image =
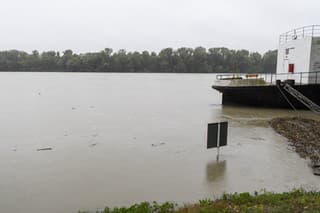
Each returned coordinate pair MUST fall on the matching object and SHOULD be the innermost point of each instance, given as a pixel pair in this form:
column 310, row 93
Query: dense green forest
column 182, row 60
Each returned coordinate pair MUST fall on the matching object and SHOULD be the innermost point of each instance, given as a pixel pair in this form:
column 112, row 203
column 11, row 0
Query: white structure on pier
column 299, row 52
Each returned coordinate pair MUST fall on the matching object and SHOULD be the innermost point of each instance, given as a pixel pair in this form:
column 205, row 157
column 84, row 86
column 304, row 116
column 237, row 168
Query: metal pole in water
column 218, row 142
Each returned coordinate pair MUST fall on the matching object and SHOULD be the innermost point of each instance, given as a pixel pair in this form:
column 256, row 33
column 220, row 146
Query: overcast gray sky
column 92, row 25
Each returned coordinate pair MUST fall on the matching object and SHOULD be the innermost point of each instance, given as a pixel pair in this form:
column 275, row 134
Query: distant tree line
column 182, row 60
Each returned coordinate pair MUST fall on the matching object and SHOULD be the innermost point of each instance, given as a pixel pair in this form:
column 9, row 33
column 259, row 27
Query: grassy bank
column 295, row 201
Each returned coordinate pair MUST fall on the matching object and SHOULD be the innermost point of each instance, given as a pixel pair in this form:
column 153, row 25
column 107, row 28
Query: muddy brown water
column 117, row 139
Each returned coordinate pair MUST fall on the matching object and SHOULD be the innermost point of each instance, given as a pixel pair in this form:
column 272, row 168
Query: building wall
column 315, row 61
column 295, row 52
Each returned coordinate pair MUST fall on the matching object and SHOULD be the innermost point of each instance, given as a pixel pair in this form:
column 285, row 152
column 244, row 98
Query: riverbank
column 294, row 201
column 303, row 135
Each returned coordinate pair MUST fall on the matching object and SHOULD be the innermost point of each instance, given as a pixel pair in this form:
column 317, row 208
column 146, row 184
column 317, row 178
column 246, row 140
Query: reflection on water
column 243, row 115
column 215, row 170
column 251, row 113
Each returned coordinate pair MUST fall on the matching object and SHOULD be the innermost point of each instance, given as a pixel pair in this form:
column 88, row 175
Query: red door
column 291, row 68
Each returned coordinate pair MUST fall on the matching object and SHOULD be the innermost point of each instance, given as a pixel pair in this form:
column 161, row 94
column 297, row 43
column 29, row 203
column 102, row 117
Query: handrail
column 271, row 78
column 301, row 32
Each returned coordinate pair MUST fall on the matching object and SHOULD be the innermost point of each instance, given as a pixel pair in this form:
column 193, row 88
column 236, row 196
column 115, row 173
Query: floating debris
column 303, row 135
column 316, row 165
column 316, row 171
column 157, row 144
column 93, row 144
column 73, row 108
column 257, row 139
column 181, row 151
column 45, row 149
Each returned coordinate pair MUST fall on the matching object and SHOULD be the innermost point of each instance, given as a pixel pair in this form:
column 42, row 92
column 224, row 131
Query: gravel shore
column 304, row 135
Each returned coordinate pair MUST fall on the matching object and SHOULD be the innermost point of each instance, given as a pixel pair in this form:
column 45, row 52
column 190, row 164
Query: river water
column 118, row 139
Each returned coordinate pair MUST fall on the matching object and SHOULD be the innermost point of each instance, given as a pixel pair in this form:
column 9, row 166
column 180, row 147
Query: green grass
column 294, row 201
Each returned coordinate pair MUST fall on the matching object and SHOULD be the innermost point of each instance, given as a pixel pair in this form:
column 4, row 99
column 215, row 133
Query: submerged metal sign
column 217, row 135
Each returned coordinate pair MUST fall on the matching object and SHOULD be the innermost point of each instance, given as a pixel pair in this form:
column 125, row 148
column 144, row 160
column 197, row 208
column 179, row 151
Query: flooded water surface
column 117, row 139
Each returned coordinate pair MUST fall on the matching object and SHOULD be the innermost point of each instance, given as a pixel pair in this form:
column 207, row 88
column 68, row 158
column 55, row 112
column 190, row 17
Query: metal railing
column 299, row 77
column 301, row 32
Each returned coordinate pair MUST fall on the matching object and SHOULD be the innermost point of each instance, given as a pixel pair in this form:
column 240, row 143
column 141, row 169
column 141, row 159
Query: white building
column 299, row 55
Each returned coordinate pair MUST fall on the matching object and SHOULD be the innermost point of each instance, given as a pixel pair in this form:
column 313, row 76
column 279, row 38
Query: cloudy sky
column 92, row 25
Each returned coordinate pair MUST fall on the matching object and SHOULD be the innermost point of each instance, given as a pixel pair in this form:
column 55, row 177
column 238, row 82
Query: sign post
column 217, row 136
